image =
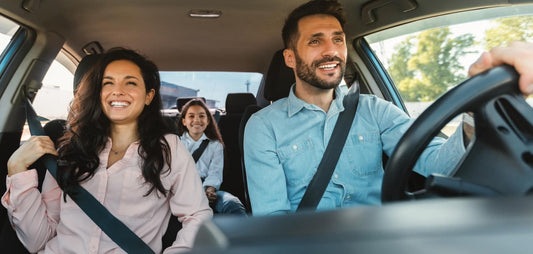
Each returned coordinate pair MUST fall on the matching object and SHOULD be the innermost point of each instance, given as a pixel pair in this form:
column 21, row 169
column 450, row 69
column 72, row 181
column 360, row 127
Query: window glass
column 7, row 30
column 213, row 86
column 428, row 57
column 53, row 99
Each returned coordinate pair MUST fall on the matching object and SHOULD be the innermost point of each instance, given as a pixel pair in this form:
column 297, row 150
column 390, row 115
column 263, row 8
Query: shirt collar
column 295, row 104
column 127, row 159
column 187, row 136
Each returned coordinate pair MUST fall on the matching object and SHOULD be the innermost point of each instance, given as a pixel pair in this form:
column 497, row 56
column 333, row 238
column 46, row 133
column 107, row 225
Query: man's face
column 319, row 57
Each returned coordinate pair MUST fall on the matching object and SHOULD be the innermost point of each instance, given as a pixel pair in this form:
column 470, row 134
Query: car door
column 27, row 54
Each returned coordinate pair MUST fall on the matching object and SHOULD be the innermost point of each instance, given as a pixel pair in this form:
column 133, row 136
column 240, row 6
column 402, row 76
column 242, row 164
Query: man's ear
column 290, row 58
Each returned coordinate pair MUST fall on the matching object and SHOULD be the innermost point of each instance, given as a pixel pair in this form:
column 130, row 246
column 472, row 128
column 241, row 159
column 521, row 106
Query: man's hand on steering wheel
column 517, row 54
column 500, row 159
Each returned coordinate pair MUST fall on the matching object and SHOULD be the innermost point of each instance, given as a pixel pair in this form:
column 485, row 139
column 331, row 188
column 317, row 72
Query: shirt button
column 348, row 197
column 295, row 147
column 360, row 138
column 336, row 176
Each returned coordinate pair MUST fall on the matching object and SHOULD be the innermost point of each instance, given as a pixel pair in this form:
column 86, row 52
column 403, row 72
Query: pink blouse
column 46, row 224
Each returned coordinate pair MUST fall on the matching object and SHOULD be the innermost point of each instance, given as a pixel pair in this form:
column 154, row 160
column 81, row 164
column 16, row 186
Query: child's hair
column 211, row 131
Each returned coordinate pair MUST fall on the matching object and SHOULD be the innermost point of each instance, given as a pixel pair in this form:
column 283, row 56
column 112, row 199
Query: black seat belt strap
column 327, row 165
column 110, row 225
column 198, row 152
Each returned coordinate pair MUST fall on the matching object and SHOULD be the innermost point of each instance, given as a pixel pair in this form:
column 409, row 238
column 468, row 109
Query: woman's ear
column 149, row 97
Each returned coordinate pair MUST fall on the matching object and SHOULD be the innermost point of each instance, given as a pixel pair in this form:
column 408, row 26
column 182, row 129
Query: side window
column 53, row 99
column 426, row 58
column 7, row 31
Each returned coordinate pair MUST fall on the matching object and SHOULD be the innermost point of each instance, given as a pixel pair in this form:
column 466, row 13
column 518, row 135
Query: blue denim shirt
column 284, row 143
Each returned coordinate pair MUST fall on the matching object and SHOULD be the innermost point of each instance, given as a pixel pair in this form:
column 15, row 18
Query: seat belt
column 110, row 225
column 327, row 165
column 200, row 150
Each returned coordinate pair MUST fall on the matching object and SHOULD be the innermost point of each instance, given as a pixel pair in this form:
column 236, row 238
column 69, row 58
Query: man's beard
column 308, row 73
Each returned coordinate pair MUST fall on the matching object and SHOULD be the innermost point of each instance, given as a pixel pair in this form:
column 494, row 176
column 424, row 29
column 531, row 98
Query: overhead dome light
column 205, row 13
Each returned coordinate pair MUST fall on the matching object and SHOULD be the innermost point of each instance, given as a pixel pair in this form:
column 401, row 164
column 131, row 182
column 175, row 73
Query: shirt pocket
column 362, row 154
column 299, row 161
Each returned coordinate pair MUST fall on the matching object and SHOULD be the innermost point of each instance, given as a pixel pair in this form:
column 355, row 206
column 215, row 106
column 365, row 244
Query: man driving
column 284, row 142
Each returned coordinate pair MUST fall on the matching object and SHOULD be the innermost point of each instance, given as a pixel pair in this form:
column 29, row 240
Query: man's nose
column 330, row 49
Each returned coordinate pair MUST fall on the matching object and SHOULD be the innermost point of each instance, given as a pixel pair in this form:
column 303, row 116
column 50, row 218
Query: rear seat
column 229, row 128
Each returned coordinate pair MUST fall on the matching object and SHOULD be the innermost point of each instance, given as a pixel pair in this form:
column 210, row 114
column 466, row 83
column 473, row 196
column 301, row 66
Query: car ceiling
column 242, row 39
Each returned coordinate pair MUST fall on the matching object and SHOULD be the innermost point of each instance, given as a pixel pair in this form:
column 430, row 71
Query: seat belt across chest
column 327, row 165
column 200, row 150
column 110, row 225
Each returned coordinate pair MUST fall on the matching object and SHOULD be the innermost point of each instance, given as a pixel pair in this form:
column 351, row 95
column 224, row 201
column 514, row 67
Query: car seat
column 278, row 82
column 229, row 124
column 183, row 100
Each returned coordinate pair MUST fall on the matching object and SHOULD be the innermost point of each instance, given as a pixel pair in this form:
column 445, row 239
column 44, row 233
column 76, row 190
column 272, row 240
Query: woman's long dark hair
column 88, row 128
column 211, row 131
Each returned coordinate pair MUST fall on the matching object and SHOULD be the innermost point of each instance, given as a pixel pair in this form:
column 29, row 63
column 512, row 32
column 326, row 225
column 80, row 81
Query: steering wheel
column 498, row 160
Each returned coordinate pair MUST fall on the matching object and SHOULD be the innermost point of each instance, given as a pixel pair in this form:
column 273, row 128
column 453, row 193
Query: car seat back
column 236, row 104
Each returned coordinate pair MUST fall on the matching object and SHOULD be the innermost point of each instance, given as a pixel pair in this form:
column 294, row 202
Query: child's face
column 195, row 120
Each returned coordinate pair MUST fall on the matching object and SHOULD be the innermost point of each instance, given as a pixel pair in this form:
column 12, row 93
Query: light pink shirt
column 46, row 224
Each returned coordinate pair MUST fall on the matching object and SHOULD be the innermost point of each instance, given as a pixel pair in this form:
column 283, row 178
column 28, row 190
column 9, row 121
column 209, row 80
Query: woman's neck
column 123, row 135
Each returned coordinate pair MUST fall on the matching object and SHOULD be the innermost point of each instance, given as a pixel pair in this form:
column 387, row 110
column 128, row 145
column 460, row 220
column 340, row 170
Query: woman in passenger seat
column 116, row 147
column 199, row 132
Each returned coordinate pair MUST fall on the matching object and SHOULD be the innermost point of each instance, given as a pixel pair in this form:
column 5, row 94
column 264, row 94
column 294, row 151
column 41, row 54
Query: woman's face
column 124, row 95
column 196, row 120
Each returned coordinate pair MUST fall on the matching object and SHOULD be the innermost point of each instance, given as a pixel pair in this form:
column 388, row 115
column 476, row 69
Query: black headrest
column 279, row 78
column 86, row 63
column 237, row 102
column 351, row 74
column 183, row 100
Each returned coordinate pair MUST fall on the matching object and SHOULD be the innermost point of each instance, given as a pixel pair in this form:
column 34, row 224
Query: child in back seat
column 200, row 134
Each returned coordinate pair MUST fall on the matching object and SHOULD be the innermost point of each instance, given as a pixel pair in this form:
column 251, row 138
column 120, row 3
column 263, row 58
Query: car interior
column 485, row 207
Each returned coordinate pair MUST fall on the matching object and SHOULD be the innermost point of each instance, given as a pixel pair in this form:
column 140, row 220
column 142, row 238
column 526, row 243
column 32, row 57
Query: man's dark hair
column 326, row 7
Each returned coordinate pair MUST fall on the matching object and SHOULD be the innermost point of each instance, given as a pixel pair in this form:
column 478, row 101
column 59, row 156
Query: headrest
column 183, row 100
column 351, row 74
column 86, row 63
column 279, row 78
column 237, row 102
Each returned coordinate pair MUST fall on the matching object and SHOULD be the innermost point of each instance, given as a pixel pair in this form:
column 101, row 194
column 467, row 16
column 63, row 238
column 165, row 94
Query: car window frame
column 379, row 74
column 13, row 55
